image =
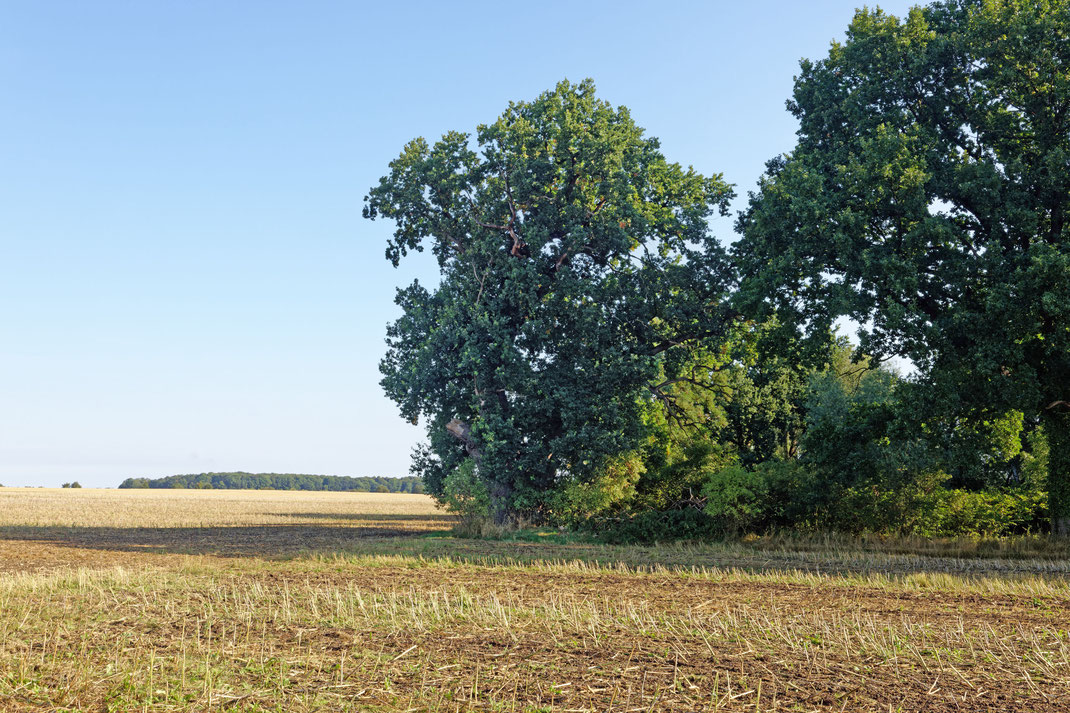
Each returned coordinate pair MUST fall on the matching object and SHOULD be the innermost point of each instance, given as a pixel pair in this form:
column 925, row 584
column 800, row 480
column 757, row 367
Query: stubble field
column 277, row 601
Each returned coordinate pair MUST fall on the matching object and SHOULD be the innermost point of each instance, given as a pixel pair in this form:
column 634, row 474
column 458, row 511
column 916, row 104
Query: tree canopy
column 580, row 286
column 927, row 199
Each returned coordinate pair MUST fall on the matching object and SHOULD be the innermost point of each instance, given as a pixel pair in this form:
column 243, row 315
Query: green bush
column 878, row 506
column 675, row 468
column 772, row 494
column 651, row 527
column 926, row 507
column 737, row 497
column 577, row 502
column 464, row 493
column 948, row 513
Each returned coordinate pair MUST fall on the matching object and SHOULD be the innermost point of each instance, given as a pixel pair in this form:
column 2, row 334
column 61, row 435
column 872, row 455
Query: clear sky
column 186, row 283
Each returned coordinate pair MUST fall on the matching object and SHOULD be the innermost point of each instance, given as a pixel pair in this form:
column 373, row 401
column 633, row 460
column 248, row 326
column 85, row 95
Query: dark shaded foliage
column 652, row 526
column 279, row 481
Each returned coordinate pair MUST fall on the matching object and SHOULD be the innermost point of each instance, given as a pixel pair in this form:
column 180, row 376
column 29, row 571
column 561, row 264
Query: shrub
column 929, row 509
column 736, row 497
column 879, row 506
column 464, row 492
column 947, row 513
column 771, row 494
column 651, row 527
column 577, row 502
column 675, row 469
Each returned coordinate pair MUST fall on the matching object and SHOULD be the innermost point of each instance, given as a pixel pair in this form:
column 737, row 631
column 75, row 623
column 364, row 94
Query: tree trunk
column 501, row 502
column 1057, row 429
column 501, row 494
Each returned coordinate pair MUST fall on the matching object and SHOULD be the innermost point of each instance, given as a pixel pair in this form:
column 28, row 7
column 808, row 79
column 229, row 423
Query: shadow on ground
column 438, row 518
column 419, row 540
column 270, row 541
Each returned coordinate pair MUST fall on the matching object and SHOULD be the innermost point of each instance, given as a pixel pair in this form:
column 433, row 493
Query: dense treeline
column 845, row 445
column 593, row 356
column 280, row 481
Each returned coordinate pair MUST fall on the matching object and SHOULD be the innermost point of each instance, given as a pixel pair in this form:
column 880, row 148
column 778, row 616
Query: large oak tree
column 579, row 285
column 928, row 198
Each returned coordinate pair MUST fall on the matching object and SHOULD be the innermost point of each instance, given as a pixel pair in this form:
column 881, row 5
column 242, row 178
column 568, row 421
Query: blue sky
column 186, row 283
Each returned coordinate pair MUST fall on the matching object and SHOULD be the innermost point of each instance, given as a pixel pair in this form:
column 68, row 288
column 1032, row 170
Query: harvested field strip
column 323, row 602
column 393, row 537
column 1053, row 585
column 160, row 639
column 696, row 557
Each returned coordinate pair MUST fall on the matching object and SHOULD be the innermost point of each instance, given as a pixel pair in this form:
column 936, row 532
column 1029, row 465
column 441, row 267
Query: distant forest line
column 280, row 481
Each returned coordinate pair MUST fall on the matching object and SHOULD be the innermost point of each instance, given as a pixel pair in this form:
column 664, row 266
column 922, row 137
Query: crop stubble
column 360, row 615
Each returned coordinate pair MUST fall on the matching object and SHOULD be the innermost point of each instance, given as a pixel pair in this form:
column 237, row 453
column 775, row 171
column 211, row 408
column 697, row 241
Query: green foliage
column 1035, row 462
column 871, row 469
column 277, row 481
column 653, row 526
column 762, row 498
column 737, row 497
column 577, row 501
column 675, row 467
column 897, row 507
column 928, row 199
column 947, row 513
column 765, row 399
column 579, row 283
column 75, row 484
column 465, row 494
column 849, row 431
column 980, row 453
column 683, row 425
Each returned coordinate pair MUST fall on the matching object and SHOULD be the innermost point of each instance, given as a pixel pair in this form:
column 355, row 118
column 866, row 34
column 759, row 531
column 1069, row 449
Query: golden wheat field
column 159, row 600
column 86, row 507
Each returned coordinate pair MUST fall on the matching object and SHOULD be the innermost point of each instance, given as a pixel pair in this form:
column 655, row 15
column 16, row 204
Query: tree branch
column 463, row 433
